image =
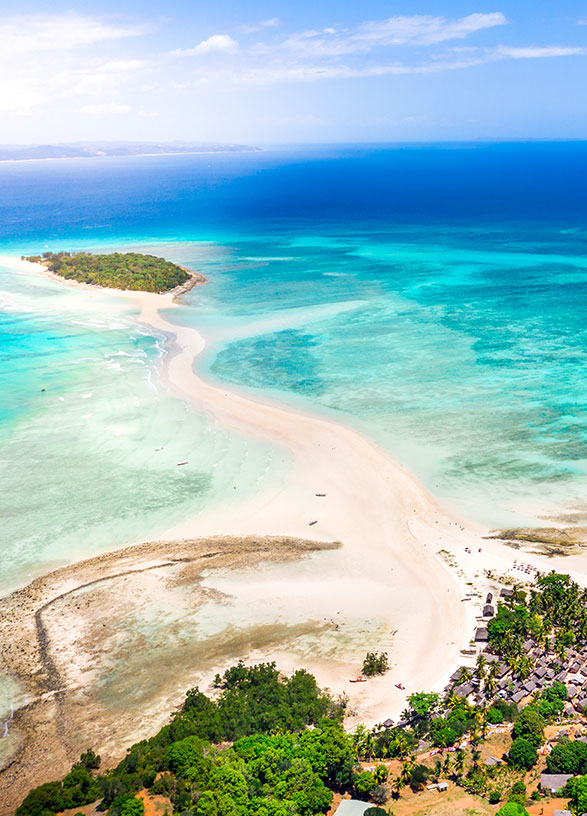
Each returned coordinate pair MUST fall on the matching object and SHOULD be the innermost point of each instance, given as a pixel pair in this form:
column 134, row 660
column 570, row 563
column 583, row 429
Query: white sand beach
column 390, row 567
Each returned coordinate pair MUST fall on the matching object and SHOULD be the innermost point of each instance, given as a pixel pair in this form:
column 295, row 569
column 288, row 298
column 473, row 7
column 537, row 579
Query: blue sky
column 274, row 72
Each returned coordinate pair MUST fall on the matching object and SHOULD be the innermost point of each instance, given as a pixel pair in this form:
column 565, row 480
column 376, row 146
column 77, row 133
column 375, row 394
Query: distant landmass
column 91, row 150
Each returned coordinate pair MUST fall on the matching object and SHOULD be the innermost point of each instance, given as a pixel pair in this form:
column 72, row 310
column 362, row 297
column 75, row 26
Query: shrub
column 379, row 795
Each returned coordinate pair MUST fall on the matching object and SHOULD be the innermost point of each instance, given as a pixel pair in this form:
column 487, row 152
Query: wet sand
column 105, row 649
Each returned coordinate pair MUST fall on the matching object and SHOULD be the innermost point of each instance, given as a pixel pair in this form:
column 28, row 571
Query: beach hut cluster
column 547, row 667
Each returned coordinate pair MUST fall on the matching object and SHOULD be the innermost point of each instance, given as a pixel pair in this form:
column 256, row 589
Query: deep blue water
column 166, row 196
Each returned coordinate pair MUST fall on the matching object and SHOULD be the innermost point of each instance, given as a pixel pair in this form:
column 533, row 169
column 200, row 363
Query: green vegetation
column 568, row 758
column 551, row 701
column 375, row 663
column 529, row 726
column 555, row 613
column 276, row 766
column 523, row 755
column 274, row 746
column 577, row 789
column 512, row 809
column 119, row 270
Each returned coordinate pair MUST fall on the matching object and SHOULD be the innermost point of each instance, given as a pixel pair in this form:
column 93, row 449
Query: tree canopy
column 117, row 270
column 276, row 766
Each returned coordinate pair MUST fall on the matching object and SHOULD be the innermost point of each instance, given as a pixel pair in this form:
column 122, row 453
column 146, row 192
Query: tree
column 419, row 777
column 522, row 754
column 459, row 762
column 187, row 758
column 375, row 663
column 422, row 704
column 364, row 784
column 529, row 725
column 132, row 807
column 381, row 773
column 379, row 795
column 512, row 809
column 578, row 788
column 494, row 716
column 568, row 757
column 397, row 787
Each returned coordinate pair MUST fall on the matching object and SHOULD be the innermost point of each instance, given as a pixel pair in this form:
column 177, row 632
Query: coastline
column 401, row 561
column 390, row 527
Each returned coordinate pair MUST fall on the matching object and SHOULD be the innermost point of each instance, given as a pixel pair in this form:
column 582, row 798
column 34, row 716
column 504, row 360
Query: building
column 553, row 782
column 442, row 786
column 492, row 761
column 352, row 807
column 481, row 635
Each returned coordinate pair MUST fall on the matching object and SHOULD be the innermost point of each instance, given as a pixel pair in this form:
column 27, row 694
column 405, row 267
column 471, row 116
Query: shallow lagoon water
column 433, row 298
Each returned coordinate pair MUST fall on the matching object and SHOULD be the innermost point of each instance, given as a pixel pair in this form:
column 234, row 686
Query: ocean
column 432, row 296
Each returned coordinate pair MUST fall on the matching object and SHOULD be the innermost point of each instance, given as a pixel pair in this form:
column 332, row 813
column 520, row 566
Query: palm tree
column 406, row 771
column 475, row 756
column 437, row 769
column 401, row 747
column 480, row 668
column 446, row 765
column 452, row 701
column 459, row 763
column 490, row 685
column 397, row 786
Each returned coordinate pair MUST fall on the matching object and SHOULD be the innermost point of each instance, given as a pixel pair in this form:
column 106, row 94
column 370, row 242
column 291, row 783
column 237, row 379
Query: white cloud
column 537, row 52
column 423, row 29
column 419, row 30
column 217, row 42
column 59, row 32
column 272, row 22
column 106, row 109
column 455, row 59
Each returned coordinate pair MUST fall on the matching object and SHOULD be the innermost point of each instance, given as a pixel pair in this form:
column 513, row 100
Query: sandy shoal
column 390, row 527
column 405, row 561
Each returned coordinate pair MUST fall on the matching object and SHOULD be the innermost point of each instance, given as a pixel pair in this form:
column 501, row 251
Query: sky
column 265, row 72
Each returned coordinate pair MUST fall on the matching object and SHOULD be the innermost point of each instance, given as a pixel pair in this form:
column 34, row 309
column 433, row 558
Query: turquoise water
column 433, row 298
column 89, row 438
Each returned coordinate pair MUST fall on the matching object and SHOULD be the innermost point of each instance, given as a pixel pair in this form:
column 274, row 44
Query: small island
column 119, row 270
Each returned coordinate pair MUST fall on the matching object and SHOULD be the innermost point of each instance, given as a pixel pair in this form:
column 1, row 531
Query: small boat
column 311, row 523
column 400, row 686
column 181, row 463
column 358, row 680
column 321, row 494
